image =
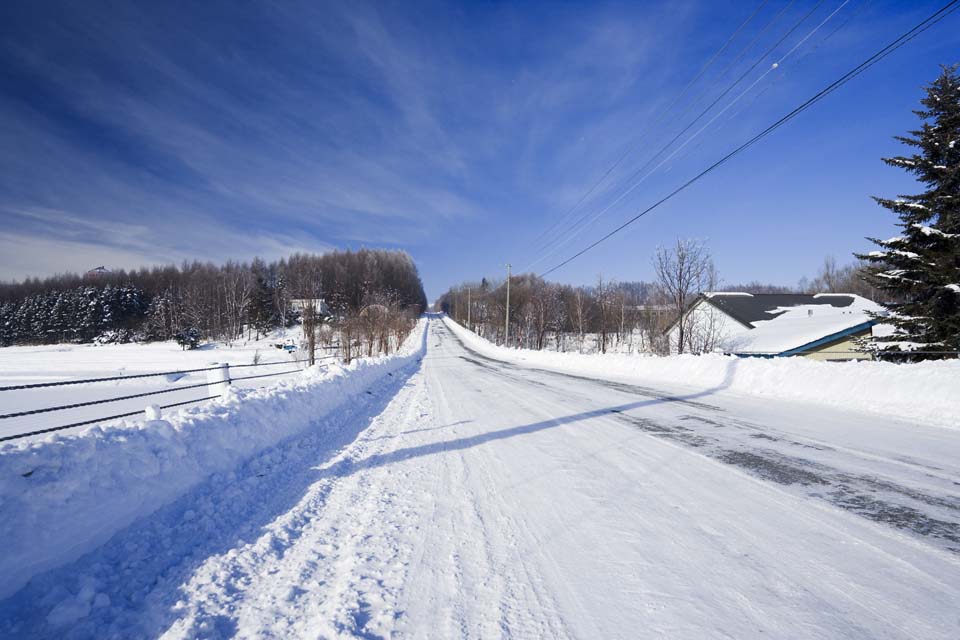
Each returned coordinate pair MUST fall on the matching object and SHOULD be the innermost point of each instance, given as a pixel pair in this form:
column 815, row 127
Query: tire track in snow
column 761, row 549
column 136, row 585
column 925, row 507
column 474, row 575
column 343, row 574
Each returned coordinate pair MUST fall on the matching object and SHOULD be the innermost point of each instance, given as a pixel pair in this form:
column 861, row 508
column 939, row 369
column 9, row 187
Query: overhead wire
column 772, row 68
column 630, row 148
column 571, row 233
column 897, row 43
column 746, row 106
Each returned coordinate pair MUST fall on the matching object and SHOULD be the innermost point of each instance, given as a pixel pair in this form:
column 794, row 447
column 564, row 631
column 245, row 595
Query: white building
column 319, row 305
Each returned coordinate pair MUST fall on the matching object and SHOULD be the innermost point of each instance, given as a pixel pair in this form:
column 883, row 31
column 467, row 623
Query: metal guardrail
column 17, row 436
column 39, row 385
column 220, row 382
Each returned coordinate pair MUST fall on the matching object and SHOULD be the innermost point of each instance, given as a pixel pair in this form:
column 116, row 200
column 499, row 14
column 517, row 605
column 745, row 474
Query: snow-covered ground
column 53, row 363
column 63, row 494
column 466, row 496
column 927, row 392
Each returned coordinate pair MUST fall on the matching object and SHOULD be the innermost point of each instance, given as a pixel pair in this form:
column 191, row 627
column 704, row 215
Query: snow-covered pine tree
column 261, row 310
column 8, row 328
column 160, row 323
column 920, row 270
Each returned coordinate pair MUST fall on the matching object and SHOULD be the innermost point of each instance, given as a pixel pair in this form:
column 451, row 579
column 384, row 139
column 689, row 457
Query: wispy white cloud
column 345, row 125
column 227, row 131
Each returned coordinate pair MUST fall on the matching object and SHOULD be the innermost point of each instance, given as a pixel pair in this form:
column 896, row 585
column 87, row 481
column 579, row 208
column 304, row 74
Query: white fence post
column 153, row 412
column 218, row 379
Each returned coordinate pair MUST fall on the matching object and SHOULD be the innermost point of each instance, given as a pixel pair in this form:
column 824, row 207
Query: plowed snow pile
column 65, row 495
column 926, row 392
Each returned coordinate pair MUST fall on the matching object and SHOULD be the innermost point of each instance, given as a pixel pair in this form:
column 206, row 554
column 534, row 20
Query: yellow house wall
column 844, row 349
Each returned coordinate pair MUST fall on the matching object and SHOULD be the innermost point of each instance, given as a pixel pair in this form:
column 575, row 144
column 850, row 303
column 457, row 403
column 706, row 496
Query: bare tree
column 559, row 316
column 621, row 327
column 683, row 271
column 580, row 315
column 545, row 305
column 706, row 329
column 602, row 295
column 238, row 291
column 310, row 289
column 832, row 278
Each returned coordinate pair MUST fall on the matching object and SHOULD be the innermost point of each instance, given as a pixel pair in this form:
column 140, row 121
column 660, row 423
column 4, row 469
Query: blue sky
column 154, row 132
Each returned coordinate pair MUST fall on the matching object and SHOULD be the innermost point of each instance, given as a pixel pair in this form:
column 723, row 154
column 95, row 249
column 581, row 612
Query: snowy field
column 52, row 363
column 66, row 493
column 450, row 492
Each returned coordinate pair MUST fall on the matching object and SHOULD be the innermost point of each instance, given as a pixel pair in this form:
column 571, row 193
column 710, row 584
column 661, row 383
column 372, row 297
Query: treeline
column 611, row 316
column 110, row 313
column 607, row 316
column 206, row 301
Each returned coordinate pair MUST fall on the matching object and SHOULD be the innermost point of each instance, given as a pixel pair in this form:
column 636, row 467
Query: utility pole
column 469, row 289
column 506, row 324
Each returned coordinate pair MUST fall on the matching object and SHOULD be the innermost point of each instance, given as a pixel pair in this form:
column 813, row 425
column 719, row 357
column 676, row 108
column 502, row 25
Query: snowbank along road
column 467, row 497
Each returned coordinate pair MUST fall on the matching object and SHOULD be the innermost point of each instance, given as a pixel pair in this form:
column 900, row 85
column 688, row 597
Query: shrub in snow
column 116, row 336
column 188, row 338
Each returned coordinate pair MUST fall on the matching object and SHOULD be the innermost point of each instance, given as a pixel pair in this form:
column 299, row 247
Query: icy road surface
column 471, row 498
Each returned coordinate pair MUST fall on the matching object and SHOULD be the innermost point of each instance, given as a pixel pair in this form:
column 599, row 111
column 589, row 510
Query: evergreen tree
column 160, row 323
column 59, row 319
column 261, row 310
column 919, row 270
column 188, row 338
column 8, row 333
column 153, row 304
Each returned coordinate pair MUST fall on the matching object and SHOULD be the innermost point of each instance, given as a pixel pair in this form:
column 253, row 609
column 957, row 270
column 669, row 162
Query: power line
column 585, row 220
column 903, row 39
column 857, row 12
column 632, row 147
column 775, row 66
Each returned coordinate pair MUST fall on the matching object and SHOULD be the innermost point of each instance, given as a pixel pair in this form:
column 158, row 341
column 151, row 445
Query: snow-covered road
column 473, row 498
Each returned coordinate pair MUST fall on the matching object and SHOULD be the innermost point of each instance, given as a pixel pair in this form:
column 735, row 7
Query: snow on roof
column 750, row 308
column 794, row 326
column 710, row 294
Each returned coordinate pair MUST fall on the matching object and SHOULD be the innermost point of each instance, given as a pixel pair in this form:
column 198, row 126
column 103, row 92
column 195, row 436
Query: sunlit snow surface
column 63, row 362
column 468, row 496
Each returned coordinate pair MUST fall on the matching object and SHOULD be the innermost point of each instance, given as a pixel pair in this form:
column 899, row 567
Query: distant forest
column 206, row 301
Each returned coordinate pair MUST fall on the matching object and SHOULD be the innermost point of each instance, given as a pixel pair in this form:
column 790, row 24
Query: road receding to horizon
column 478, row 498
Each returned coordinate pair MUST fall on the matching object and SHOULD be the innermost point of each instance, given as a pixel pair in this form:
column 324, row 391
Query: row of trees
column 603, row 317
column 620, row 316
column 81, row 314
column 207, row 301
